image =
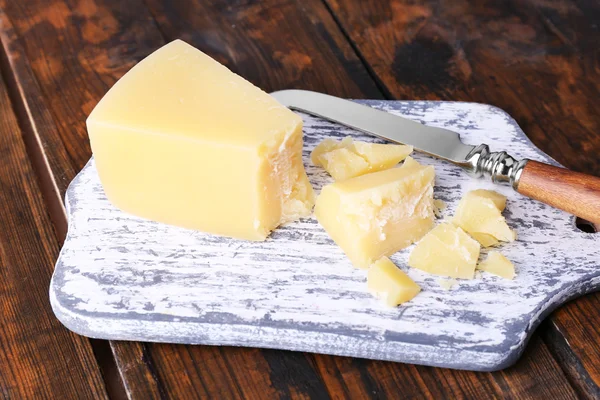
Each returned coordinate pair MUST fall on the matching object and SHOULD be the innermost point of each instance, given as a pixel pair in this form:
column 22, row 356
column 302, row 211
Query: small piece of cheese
column 484, row 239
column 479, row 213
column 348, row 159
column 447, row 284
column 497, row 264
column 180, row 139
column 438, row 207
column 446, row 250
column 377, row 214
column 390, row 284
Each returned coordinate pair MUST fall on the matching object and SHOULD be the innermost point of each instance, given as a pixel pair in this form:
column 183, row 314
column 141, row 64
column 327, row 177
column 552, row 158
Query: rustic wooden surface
column 535, row 59
column 38, row 357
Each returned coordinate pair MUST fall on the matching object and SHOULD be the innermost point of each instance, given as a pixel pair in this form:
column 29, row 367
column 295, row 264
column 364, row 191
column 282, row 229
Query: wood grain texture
column 66, row 55
column 54, row 166
column 125, row 278
column 574, row 192
column 98, row 41
column 534, row 377
column 38, row 358
column 535, row 59
column 276, row 44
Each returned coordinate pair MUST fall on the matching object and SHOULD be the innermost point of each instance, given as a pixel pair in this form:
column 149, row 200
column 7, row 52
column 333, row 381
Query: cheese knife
column 573, row 192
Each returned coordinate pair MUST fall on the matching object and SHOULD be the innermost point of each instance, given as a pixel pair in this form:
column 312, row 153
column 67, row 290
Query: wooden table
column 539, row 60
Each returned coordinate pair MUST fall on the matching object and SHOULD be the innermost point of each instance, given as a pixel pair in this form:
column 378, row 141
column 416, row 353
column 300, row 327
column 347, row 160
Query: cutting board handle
column 573, row 192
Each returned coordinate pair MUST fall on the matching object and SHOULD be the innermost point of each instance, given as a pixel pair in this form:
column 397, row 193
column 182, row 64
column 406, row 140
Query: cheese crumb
column 438, row 207
column 497, row 264
column 390, row 284
column 447, row 284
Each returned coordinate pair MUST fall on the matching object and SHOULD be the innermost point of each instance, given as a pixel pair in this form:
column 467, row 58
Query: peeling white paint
column 122, row 277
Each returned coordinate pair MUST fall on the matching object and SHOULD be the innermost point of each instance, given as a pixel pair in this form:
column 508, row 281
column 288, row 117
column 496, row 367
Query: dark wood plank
column 276, row 44
column 573, row 336
column 185, row 372
column 38, row 357
column 34, row 114
column 535, row 59
column 536, row 374
column 274, row 56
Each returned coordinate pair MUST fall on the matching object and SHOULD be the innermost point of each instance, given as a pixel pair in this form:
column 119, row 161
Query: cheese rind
column 497, row 264
column 182, row 140
column 377, row 214
column 390, row 284
column 479, row 213
column 447, row 251
column 349, row 159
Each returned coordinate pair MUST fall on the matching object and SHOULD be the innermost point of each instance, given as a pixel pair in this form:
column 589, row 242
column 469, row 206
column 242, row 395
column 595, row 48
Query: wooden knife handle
column 573, row 192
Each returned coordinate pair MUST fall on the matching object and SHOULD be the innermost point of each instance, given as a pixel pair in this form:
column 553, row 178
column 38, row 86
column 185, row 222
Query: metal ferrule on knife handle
column 499, row 166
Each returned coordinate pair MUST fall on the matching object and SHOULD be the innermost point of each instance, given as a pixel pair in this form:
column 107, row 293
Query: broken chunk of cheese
column 390, row 284
column 377, row 214
column 181, row 139
column 348, row 159
column 497, row 264
column 446, row 250
column 479, row 213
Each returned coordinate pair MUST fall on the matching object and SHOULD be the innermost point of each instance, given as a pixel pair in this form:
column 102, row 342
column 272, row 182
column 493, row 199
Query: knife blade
column 438, row 142
column 570, row 191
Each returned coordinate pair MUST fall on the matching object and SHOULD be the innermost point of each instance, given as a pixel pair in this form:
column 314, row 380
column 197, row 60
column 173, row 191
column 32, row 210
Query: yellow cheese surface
column 377, row 214
column 446, row 250
column 390, row 284
column 348, row 159
column 498, row 199
column 480, row 213
column 438, row 207
column 181, row 139
column 497, row 264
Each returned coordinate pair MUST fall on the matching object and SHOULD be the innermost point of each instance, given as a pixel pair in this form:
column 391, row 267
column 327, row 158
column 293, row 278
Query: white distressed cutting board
column 124, row 278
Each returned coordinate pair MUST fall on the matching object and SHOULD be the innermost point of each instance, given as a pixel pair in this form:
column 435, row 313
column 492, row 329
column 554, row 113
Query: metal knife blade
column 438, row 142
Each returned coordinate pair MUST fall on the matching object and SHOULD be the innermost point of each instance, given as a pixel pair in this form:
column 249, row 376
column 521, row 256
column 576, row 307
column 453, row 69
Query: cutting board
column 120, row 277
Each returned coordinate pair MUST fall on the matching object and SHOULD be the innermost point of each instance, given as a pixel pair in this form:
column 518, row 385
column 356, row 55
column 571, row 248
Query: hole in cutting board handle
column 586, row 226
